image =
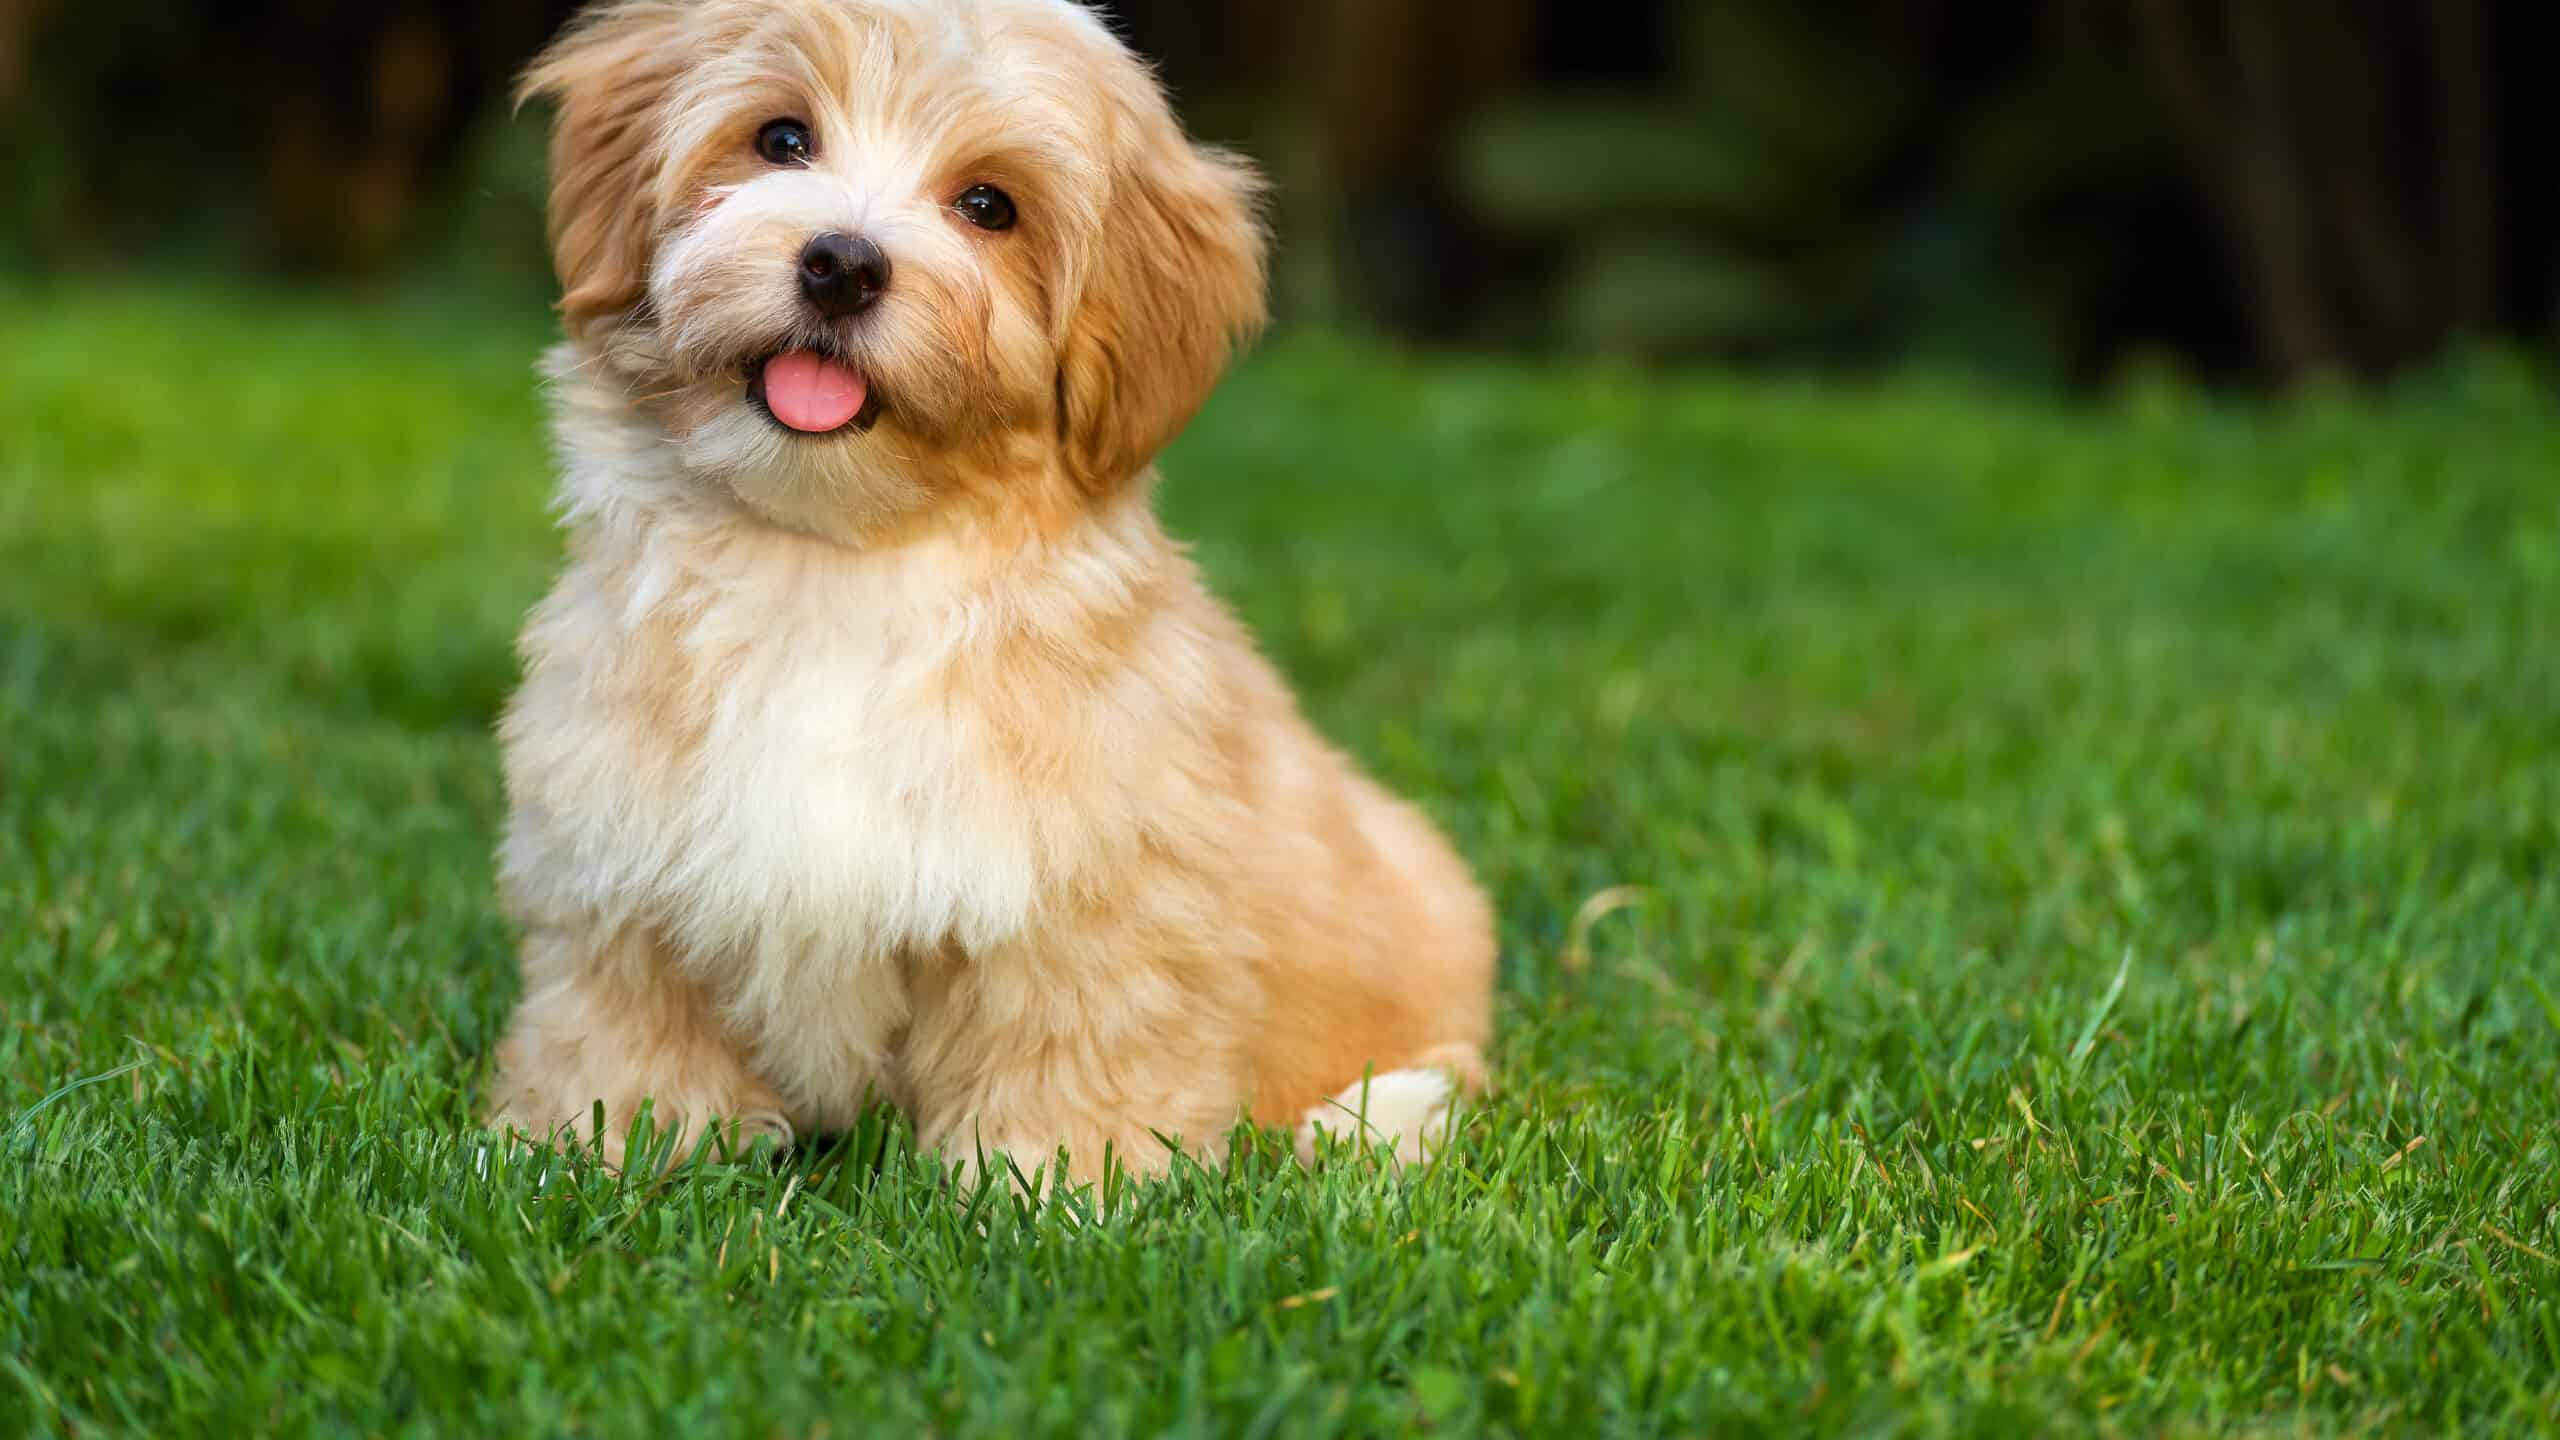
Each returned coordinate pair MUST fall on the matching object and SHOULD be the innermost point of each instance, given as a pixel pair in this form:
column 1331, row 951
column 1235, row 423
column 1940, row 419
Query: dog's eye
column 986, row 207
column 785, row 142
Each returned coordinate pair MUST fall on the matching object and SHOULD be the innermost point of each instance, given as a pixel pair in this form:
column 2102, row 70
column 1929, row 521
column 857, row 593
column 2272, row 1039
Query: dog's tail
column 1409, row 1108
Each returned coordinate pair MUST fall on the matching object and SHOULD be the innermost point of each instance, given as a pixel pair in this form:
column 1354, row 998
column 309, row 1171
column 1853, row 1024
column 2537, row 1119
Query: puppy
column 876, row 743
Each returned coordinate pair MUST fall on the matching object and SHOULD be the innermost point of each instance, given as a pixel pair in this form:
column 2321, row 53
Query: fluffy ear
column 1176, row 285
column 608, row 76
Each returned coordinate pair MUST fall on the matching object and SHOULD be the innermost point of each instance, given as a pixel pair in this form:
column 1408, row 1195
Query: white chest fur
column 759, row 749
column 839, row 787
column 809, row 769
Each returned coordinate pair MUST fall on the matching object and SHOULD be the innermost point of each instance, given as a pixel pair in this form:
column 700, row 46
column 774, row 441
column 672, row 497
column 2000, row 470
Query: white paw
column 743, row 1131
column 1408, row 1109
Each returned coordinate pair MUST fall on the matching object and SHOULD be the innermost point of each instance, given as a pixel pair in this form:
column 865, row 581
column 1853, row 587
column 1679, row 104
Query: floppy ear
column 1176, row 285
column 608, row 75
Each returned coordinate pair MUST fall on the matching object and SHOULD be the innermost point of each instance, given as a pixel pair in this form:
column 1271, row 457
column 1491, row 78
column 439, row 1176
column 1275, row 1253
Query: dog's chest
column 842, row 797
column 815, row 781
column 835, row 814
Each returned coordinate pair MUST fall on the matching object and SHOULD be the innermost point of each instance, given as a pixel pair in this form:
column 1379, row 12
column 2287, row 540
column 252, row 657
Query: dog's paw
column 1408, row 1109
column 734, row 1136
column 669, row 1136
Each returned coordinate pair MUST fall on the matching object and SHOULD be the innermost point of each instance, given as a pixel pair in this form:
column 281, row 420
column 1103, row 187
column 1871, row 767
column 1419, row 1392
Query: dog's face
column 860, row 256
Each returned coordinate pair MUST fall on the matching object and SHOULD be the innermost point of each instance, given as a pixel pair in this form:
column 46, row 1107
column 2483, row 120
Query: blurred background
column 2051, row 190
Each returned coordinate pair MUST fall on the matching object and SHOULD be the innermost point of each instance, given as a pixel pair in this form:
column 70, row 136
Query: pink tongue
column 812, row 393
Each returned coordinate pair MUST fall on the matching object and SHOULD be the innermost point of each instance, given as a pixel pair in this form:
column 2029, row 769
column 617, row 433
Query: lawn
column 2018, row 916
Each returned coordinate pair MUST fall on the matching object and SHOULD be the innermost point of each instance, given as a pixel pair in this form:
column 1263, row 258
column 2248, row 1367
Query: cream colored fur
column 916, row 764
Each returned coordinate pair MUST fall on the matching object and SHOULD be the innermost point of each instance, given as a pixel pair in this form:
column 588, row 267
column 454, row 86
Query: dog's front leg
column 607, row 1018
column 1085, row 1043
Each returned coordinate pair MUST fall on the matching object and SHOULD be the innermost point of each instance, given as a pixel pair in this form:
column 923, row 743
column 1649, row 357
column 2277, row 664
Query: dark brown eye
column 785, row 142
column 986, row 207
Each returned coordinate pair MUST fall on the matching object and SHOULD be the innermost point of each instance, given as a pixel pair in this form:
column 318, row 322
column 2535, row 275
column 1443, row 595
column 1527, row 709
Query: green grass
column 2096, row 968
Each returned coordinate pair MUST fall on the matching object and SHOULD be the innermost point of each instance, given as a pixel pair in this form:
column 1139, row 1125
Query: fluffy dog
column 876, row 743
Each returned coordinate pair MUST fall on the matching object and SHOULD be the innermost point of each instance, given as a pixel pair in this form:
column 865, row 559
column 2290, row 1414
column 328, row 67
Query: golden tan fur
column 917, row 763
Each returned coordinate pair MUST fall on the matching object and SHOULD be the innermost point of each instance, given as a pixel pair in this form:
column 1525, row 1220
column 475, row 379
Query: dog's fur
column 916, row 763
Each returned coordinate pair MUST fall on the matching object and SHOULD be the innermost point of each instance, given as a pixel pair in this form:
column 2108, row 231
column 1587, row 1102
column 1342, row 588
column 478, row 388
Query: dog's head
column 858, row 255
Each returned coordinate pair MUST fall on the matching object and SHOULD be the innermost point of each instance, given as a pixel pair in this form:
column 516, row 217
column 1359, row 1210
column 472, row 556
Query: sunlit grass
column 2093, row 959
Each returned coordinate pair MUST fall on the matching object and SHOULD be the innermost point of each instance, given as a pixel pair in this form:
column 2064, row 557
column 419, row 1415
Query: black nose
column 843, row 274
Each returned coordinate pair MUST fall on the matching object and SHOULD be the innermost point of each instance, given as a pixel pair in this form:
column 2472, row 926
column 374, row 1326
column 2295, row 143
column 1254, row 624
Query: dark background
column 2047, row 189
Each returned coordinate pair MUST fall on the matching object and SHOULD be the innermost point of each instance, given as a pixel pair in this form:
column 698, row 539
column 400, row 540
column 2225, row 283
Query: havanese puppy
column 876, row 743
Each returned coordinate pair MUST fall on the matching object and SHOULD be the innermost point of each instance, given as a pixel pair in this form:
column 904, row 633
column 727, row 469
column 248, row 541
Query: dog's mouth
column 808, row 392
